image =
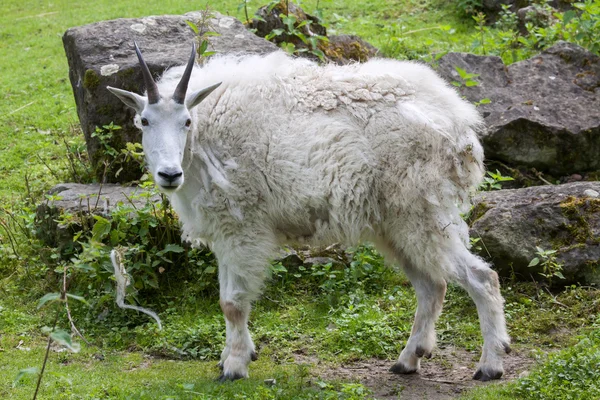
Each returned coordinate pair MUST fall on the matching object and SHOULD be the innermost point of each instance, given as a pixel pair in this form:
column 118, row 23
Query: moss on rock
column 91, row 80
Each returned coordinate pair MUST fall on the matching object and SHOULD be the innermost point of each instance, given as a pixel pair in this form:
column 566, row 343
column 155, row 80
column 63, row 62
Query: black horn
column 151, row 87
column 181, row 89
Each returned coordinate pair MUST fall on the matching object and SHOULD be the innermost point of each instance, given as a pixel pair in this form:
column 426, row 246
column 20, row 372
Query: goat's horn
column 151, row 87
column 179, row 95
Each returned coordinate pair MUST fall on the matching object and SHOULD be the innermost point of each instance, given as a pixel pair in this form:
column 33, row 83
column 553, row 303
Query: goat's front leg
column 239, row 348
column 242, row 270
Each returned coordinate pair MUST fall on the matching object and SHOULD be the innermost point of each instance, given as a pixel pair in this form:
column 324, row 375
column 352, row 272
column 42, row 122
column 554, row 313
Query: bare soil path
column 445, row 376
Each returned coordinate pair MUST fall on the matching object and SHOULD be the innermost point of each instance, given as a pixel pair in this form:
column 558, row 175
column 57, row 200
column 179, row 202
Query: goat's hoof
column 253, row 356
column 420, row 352
column 506, row 347
column 401, row 369
column 485, row 375
column 229, row 377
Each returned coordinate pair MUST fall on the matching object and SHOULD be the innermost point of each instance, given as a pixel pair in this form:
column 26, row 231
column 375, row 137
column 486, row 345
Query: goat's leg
column 242, row 267
column 481, row 282
column 430, row 297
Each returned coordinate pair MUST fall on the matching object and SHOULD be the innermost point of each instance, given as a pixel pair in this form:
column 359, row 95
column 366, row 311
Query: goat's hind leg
column 430, row 297
column 482, row 284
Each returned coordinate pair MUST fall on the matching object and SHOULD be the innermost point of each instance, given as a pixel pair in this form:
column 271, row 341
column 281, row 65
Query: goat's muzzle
column 169, row 179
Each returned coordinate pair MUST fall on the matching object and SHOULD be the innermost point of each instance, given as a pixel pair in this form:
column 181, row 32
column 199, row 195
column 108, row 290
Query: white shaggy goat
column 286, row 151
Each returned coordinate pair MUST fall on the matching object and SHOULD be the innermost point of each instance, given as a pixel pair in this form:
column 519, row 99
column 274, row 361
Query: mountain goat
column 284, row 150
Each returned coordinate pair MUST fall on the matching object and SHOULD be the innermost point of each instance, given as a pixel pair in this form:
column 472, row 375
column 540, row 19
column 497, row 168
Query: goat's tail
column 467, row 170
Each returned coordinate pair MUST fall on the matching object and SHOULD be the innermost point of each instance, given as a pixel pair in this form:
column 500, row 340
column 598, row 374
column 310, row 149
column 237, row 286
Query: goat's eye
column 188, row 122
column 144, row 122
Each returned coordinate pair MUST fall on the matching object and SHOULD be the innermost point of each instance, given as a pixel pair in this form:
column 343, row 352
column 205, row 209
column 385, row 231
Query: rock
column 345, row 49
column 512, row 222
column 81, row 202
column 309, row 262
column 340, row 49
column 536, row 15
column 591, row 193
column 492, row 8
column 289, row 258
column 102, row 54
column 543, row 111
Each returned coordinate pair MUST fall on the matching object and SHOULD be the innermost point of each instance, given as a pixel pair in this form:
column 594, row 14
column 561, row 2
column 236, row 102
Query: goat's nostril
column 170, row 176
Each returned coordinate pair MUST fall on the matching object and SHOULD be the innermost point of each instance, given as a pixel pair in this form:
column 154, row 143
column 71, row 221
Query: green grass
column 119, row 375
column 294, row 317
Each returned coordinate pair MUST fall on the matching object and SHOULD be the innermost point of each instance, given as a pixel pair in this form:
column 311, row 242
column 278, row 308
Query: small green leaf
column 23, row 372
column 463, row 74
column 288, row 47
column 471, row 83
column 210, row 270
column 101, row 228
column 48, row 297
column 534, row 262
column 64, row 338
column 171, row 248
column 203, row 47
column 193, row 26
column 559, row 274
column 78, row 298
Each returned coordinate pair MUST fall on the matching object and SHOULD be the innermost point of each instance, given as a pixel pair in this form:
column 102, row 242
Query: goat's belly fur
column 311, row 154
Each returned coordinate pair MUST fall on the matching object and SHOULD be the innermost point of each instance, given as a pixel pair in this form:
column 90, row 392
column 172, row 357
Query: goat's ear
column 196, row 98
column 130, row 99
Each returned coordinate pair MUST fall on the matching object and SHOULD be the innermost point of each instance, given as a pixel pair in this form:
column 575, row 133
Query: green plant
column 293, row 30
column 546, row 259
column 482, row 31
column 244, row 5
column 467, row 79
column 59, row 336
column 543, row 28
column 203, row 30
column 469, row 7
column 366, row 271
column 493, row 181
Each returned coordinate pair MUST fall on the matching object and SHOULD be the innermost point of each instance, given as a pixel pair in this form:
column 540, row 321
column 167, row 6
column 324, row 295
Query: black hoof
column 400, row 369
column 506, row 347
column 229, row 377
column 420, row 352
column 253, row 356
column 487, row 375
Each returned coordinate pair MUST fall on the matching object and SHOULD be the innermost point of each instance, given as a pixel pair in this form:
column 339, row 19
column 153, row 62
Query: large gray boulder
column 566, row 218
column 101, row 55
column 543, row 111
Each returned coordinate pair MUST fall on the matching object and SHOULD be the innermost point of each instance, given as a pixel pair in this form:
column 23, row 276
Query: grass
column 119, row 375
column 293, row 318
column 334, row 320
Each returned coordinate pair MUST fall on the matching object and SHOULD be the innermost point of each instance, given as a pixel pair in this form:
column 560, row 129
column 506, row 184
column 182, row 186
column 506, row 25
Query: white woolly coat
column 285, row 150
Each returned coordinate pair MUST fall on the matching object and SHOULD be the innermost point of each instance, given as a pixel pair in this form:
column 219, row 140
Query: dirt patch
column 445, row 376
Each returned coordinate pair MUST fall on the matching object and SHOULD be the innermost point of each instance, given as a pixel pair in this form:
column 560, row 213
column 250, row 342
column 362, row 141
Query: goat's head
column 165, row 122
